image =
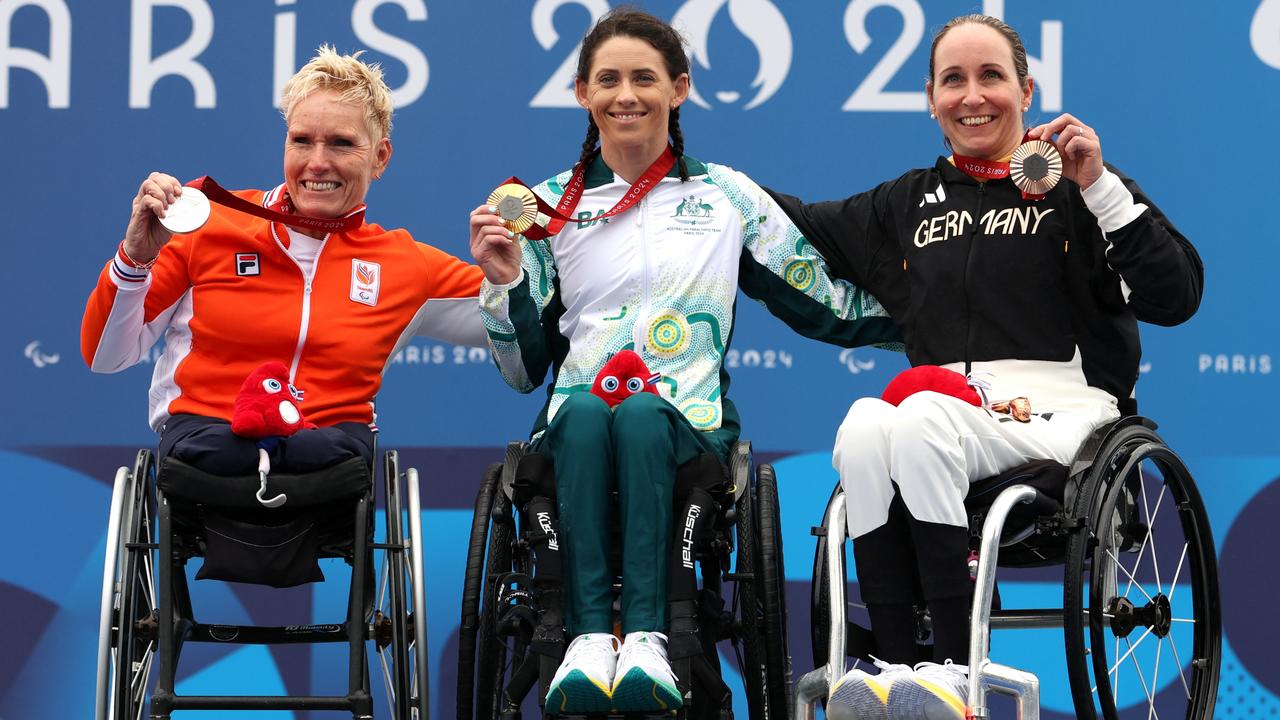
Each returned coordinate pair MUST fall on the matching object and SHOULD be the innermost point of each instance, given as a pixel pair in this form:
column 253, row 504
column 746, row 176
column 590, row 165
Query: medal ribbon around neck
column 280, row 211
column 1035, row 168
column 526, row 213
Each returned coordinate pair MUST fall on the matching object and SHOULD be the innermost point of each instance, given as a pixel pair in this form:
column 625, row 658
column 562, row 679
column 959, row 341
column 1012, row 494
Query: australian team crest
column 692, row 211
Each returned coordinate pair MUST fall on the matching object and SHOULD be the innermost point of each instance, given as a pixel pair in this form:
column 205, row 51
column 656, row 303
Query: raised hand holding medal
column 1077, row 144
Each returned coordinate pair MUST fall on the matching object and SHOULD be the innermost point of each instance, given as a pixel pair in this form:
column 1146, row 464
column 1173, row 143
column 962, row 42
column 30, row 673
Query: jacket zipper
column 964, row 281
column 643, row 320
column 307, row 278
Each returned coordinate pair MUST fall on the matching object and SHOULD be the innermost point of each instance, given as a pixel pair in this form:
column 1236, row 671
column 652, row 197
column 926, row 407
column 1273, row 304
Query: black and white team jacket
column 974, row 273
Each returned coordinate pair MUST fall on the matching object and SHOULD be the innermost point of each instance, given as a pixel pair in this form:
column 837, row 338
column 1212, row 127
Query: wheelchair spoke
column 1133, row 582
column 1132, row 646
column 383, row 583
column 1155, row 677
column 1173, row 647
column 140, row 693
column 1173, row 586
column 386, row 683
column 1138, row 669
column 1151, row 530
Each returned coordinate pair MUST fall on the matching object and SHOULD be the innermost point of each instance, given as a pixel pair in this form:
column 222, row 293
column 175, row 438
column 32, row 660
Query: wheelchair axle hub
column 1125, row 616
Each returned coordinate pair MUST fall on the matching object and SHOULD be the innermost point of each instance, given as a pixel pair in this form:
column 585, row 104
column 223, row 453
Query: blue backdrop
column 818, row 99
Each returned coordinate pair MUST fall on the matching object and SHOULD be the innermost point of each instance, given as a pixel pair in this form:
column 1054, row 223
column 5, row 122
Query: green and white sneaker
column 582, row 683
column 644, row 681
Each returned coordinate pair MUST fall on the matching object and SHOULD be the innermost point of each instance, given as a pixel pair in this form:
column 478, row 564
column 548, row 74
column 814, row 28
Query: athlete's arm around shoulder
column 856, row 235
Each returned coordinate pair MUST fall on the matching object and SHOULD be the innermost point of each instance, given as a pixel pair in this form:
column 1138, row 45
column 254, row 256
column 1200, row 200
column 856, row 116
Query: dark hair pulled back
column 631, row 22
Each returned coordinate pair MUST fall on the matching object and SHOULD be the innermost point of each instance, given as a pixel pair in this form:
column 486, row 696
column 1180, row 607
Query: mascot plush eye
column 295, row 392
column 609, row 383
column 272, row 385
column 635, row 384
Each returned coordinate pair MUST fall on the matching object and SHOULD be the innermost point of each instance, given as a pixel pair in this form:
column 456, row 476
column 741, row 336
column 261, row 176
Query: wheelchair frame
column 520, row 644
column 131, row 633
column 1111, row 510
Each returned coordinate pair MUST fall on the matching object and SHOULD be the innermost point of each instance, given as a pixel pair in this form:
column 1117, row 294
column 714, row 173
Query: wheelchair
column 165, row 513
column 512, row 634
column 1140, row 582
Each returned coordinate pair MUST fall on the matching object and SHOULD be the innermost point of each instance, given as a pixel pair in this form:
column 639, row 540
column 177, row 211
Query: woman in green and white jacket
column 653, row 263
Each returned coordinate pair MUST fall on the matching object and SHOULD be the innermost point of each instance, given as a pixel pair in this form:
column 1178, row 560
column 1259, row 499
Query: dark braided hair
column 631, row 22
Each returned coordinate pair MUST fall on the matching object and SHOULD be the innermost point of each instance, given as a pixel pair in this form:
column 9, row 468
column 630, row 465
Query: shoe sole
column 858, row 699
column 638, row 692
column 925, row 700
column 577, row 693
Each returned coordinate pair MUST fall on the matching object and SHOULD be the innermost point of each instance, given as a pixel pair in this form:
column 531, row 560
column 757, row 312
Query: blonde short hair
column 354, row 81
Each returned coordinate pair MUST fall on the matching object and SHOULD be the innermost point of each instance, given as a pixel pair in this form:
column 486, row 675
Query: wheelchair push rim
column 127, row 631
column 1144, row 637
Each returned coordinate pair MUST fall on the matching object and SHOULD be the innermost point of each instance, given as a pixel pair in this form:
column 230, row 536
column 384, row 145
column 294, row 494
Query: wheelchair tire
column 492, row 662
column 472, row 592
column 771, row 583
column 819, row 594
column 1110, row 599
column 754, row 673
column 127, row 632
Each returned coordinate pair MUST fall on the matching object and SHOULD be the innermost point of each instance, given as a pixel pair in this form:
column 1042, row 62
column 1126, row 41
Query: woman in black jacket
column 1033, row 290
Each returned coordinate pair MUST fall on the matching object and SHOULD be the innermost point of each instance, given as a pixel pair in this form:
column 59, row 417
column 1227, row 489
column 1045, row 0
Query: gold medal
column 1035, row 167
column 516, row 205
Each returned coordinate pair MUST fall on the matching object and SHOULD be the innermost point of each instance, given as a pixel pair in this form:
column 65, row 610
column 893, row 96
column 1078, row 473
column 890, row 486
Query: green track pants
column 636, row 449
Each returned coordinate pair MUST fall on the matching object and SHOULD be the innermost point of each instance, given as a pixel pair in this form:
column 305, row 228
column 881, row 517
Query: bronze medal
column 1036, row 167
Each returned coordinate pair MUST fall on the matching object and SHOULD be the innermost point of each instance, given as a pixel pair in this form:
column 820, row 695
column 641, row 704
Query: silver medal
column 188, row 212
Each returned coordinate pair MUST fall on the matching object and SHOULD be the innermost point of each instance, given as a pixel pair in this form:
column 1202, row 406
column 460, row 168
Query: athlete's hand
column 145, row 235
column 495, row 248
column 1078, row 144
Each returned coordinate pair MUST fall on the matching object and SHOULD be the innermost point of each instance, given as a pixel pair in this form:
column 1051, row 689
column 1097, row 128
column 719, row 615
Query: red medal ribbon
column 280, row 211
column 987, row 169
column 560, row 214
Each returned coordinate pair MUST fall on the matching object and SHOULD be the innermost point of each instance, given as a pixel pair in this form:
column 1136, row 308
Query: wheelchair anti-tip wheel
column 1142, row 617
column 127, row 625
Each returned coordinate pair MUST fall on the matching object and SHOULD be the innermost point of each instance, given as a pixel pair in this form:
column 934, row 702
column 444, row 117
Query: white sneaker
column 931, row 692
column 862, row 696
column 582, row 683
column 644, row 681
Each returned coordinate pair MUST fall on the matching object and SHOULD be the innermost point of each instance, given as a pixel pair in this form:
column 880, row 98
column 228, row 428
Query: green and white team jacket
column 662, row 279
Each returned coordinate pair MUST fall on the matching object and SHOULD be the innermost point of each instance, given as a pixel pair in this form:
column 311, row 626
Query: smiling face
column 330, row 155
column 630, row 95
column 975, row 92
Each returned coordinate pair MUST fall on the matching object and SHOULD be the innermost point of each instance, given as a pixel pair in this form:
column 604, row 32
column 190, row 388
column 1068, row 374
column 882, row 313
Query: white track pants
column 932, row 446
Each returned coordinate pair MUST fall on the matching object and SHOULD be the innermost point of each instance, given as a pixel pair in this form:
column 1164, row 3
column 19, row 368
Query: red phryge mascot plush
column 623, row 376
column 930, row 377
column 266, row 409
column 949, row 382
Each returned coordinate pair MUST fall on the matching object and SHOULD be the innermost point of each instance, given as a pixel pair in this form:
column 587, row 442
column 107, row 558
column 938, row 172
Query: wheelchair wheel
column 748, row 601
column 127, row 628
column 472, row 592
column 495, row 660
column 771, row 581
column 401, row 598
column 1142, row 616
column 819, row 593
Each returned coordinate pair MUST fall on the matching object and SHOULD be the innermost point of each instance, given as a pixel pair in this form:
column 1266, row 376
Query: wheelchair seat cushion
column 346, row 480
